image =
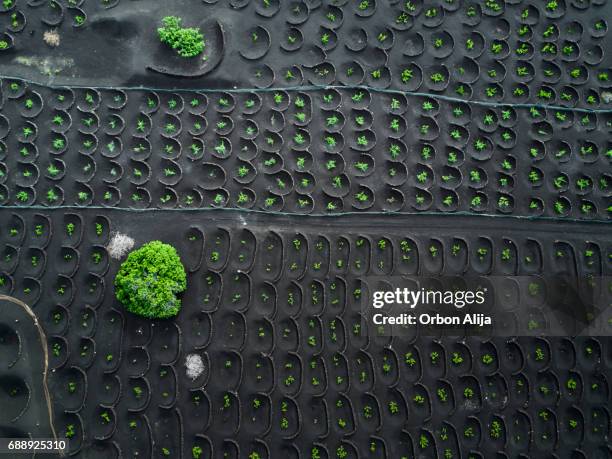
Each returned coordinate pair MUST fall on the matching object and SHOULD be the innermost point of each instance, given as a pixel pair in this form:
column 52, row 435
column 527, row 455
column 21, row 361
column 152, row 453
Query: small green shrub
column 187, row 41
column 149, row 280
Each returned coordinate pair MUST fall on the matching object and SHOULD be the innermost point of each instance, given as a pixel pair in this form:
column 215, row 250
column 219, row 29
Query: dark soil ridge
column 268, row 306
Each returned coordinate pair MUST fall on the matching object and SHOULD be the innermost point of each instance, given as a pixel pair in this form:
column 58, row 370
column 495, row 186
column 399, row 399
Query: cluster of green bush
column 187, row 41
column 149, row 281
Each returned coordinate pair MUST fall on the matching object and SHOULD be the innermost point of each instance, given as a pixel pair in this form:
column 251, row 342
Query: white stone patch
column 195, row 366
column 119, row 245
column 51, row 37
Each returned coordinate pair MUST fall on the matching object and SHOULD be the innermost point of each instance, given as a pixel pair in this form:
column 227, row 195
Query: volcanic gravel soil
column 312, row 151
column 515, row 51
column 26, row 401
column 286, row 357
column 300, row 152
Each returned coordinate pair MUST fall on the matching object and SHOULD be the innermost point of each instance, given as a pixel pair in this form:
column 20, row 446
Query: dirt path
column 43, row 340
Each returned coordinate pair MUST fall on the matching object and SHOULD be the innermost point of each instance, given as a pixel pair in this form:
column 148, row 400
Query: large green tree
column 149, row 281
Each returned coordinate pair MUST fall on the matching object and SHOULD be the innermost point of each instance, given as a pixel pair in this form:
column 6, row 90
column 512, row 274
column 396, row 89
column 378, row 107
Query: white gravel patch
column 195, row 366
column 119, row 245
column 51, row 37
